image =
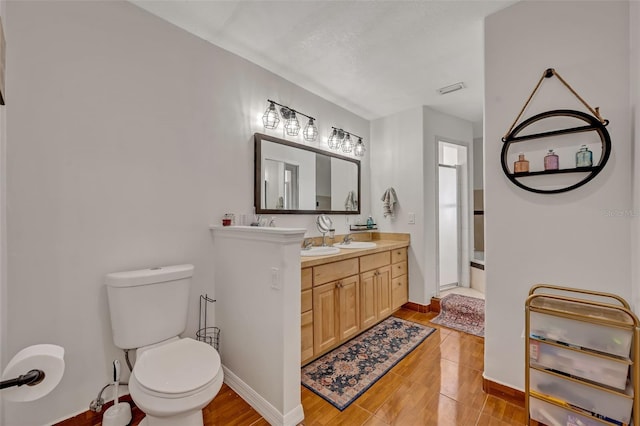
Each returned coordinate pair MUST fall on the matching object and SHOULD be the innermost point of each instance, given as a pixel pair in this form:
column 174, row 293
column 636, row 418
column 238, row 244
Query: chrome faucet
column 347, row 239
column 307, row 244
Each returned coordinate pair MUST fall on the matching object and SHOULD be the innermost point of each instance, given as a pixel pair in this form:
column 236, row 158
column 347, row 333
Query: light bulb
column 292, row 125
column 310, row 132
column 270, row 117
column 359, row 149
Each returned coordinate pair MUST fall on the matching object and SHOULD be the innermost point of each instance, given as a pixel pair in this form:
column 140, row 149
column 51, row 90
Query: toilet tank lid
column 148, row 276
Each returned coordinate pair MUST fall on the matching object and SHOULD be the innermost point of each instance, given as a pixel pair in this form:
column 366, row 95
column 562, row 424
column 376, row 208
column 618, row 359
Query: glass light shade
column 333, row 141
column 292, row 125
column 310, row 131
column 359, row 149
column 347, row 144
column 270, row 117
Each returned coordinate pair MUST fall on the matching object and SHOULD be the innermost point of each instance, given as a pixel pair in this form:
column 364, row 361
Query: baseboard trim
column 435, row 305
column 505, row 392
column 261, row 405
column 417, row 307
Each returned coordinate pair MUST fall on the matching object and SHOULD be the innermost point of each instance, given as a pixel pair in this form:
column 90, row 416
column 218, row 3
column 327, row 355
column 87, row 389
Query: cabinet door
column 306, row 336
column 383, row 278
column 325, row 317
column 399, row 292
column 349, row 303
column 368, row 310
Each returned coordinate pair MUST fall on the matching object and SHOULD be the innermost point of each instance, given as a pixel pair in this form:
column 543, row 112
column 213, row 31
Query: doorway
column 453, row 215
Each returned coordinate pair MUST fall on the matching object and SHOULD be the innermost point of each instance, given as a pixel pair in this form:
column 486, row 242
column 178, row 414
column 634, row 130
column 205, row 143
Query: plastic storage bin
column 607, row 371
column 612, row 340
column 552, row 415
column 596, row 400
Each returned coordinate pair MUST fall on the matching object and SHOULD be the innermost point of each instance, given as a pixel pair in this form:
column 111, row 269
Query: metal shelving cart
column 581, row 356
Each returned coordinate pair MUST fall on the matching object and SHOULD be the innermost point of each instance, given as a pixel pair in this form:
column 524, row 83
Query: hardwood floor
column 439, row 383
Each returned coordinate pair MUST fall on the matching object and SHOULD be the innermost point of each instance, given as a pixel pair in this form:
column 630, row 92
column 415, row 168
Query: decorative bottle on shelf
column 522, row 165
column 551, row 161
column 369, row 222
column 584, row 157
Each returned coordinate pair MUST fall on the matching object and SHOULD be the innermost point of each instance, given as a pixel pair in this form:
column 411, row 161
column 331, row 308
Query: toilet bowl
column 172, row 381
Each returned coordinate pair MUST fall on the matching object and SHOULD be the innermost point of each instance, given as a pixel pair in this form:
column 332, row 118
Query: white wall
column 259, row 311
column 396, row 161
column 404, row 153
column 634, row 27
column 478, row 163
column 126, row 138
column 575, row 239
column 442, row 127
column 4, row 355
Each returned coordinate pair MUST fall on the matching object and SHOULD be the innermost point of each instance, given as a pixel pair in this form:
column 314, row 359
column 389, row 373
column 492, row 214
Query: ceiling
column 374, row 58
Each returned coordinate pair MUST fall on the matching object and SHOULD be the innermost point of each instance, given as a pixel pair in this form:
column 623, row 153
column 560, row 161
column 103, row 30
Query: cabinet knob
column 339, row 284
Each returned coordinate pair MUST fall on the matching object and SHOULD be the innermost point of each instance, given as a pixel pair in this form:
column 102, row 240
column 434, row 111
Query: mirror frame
column 257, row 177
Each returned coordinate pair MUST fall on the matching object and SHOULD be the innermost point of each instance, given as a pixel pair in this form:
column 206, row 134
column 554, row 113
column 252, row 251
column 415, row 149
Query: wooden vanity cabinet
column 399, row 282
column 336, row 303
column 306, row 308
column 342, row 298
column 336, row 313
column 375, row 278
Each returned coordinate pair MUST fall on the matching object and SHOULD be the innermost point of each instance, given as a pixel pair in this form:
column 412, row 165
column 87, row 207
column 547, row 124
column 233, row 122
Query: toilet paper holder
column 31, row 378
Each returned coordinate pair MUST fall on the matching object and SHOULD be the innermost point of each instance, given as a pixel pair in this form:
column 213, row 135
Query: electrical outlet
column 412, row 218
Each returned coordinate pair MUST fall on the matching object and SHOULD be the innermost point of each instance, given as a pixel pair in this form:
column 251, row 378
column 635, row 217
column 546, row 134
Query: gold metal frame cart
column 581, row 358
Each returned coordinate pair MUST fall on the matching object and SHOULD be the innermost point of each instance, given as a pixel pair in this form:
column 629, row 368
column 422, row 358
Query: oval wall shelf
column 592, row 124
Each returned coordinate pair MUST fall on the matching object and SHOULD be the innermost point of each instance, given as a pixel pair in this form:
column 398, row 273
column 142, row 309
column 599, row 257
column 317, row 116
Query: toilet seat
column 177, row 369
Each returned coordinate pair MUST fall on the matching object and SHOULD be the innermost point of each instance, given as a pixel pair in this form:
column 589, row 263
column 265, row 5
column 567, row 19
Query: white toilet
column 173, row 379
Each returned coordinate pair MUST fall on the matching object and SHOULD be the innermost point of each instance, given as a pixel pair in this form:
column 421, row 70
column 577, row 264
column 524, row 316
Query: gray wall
column 127, row 137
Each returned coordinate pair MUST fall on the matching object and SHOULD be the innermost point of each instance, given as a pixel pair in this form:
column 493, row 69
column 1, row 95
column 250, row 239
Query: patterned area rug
column 345, row 373
column 462, row 313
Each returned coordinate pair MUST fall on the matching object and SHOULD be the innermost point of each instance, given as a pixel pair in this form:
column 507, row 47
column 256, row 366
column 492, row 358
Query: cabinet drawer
column 613, row 340
column 399, row 292
column 597, row 400
column 601, row 369
column 399, row 255
column 306, row 303
column 373, row 261
column 306, row 278
column 550, row 414
column 306, row 336
column 334, row 271
column 398, row 269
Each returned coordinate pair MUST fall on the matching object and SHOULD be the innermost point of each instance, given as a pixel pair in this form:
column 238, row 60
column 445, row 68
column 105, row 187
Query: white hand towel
column 351, row 204
column 389, row 200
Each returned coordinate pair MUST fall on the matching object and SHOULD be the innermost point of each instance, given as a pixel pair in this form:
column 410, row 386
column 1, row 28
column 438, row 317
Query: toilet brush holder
column 117, row 415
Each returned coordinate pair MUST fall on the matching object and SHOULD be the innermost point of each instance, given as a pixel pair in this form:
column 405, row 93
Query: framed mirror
column 290, row 178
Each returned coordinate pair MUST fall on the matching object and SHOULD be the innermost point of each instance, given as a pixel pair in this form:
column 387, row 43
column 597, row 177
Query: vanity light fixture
column 341, row 139
column 270, row 120
column 335, row 140
column 310, row 131
column 291, row 124
column 451, row 88
column 359, row 149
column 270, row 117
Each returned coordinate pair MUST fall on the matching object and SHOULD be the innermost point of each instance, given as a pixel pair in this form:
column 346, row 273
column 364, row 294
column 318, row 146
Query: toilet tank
column 149, row 305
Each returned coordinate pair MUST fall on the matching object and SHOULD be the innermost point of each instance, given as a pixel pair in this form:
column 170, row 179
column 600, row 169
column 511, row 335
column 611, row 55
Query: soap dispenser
column 369, row 222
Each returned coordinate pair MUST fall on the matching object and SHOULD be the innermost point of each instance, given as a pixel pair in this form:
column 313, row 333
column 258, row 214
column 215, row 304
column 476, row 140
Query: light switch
column 412, row 218
column 275, row 278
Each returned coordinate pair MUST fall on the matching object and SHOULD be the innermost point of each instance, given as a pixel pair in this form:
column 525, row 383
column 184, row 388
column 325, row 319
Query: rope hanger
column 548, row 73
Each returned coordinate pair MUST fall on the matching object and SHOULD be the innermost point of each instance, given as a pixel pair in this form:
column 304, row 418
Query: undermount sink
column 356, row 245
column 319, row 251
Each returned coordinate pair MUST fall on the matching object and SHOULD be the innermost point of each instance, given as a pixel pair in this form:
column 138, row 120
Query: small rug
column 462, row 313
column 345, row 373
